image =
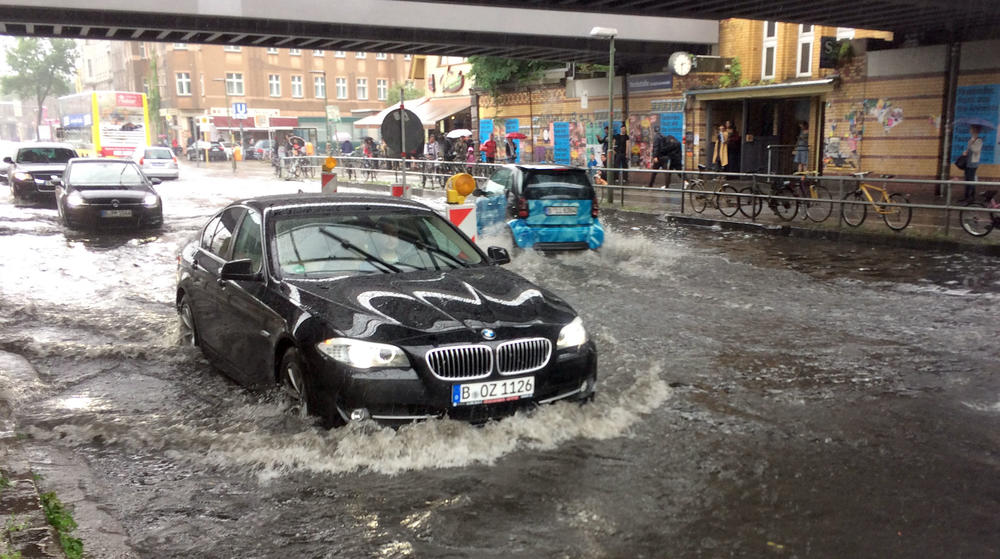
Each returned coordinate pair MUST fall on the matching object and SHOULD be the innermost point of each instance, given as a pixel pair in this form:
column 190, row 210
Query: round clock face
column 681, row 63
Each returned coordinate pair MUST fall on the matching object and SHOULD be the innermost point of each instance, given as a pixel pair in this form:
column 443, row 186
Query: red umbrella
column 516, row 136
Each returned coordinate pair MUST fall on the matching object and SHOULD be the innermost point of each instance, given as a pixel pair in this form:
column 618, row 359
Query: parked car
column 35, row 167
column 157, row 162
column 260, row 150
column 96, row 192
column 545, row 207
column 216, row 151
column 368, row 307
column 228, row 148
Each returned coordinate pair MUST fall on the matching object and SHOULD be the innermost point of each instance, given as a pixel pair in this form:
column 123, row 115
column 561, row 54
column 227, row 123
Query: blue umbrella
column 969, row 121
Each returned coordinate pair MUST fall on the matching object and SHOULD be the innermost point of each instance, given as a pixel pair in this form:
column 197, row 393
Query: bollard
column 327, row 178
column 401, row 190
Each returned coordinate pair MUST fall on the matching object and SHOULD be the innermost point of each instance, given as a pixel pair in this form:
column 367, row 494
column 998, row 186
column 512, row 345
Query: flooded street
column 757, row 396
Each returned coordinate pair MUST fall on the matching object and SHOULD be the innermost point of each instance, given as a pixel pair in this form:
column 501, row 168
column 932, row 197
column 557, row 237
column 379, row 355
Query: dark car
column 216, row 151
column 107, row 192
column 546, row 207
column 371, row 307
column 260, row 150
column 34, row 168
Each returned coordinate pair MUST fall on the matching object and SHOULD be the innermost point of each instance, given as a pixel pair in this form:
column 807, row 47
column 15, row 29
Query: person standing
column 659, row 157
column 801, row 158
column 733, row 147
column 490, row 149
column 621, row 153
column 973, row 150
column 720, row 154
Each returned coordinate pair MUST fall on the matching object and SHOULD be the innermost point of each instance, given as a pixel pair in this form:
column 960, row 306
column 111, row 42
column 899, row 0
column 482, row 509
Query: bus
column 104, row 123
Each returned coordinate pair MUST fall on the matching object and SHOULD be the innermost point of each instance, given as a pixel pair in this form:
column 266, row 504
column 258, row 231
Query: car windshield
column 570, row 184
column 104, row 174
column 339, row 242
column 44, row 155
column 159, row 153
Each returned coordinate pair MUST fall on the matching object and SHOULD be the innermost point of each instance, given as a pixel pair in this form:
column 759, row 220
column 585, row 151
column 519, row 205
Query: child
column 592, row 165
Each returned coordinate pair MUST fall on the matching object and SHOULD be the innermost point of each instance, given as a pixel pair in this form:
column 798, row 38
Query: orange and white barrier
column 463, row 216
column 401, row 190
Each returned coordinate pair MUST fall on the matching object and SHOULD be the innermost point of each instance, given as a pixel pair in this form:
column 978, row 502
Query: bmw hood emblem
column 489, row 334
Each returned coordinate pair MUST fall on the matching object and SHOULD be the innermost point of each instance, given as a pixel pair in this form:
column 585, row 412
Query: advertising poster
column 122, row 119
column 485, row 129
column 672, row 124
column 560, row 143
column 977, row 105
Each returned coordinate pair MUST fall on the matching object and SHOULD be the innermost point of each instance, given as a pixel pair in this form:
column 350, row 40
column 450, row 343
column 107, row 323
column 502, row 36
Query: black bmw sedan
column 109, row 192
column 370, row 307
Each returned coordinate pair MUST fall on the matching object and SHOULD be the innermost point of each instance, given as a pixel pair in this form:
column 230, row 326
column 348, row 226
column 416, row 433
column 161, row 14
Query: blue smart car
column 545, row 207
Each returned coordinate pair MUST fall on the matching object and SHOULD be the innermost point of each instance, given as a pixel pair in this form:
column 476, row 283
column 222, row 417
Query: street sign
column 240, row 110
column 333, row 113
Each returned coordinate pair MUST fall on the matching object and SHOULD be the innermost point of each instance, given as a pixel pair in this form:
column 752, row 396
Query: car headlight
column 22, row 176
column 151, row 200
column 75, row 199
column 572, row 335
column 363, row 355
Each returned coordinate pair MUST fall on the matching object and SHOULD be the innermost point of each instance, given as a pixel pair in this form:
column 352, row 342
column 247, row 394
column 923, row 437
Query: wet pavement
column 758, row 396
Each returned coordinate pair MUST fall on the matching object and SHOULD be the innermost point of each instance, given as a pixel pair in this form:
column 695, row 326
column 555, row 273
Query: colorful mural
column 842, row 149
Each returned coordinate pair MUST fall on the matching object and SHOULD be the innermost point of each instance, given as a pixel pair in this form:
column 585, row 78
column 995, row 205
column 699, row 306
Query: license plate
column 560, row 210
column 492, row 392
column 116, row 213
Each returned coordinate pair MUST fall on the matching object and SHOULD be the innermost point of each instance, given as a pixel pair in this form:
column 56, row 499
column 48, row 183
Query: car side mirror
column 498, row 255
column 57, row 182
column 238, row 270
column 479, row 192
column 8, row 160
column 155, row 180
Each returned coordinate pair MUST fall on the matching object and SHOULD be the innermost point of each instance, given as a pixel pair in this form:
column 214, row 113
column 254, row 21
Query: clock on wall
column 681, row 63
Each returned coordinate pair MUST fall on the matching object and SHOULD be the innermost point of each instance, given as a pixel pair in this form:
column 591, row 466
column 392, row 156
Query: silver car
column 157, row 162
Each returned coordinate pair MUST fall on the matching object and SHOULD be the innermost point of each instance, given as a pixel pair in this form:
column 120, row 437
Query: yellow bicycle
column 888, row 205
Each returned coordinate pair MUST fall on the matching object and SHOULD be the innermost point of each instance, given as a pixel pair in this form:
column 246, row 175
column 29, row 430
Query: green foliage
column 153, row 99
column 11, row 555
column 39, row 68
column 492, row 73
column 845, row 52
column 410, row 91
column 62, row 521
column 734, row 77
column 13, row 525
column 4, row 482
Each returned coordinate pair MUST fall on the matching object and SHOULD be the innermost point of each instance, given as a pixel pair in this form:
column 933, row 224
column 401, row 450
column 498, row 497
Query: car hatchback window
column 159, row 154
column 558, row 185
column 106, row 174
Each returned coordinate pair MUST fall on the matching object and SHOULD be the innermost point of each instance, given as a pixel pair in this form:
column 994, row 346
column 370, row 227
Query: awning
column 788, row 89
column 429, row 109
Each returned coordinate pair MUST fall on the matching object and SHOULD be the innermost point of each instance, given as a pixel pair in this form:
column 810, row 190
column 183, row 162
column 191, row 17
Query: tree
column 410, row 91
column 40, row 68
column 492, row 73
column 153, row 98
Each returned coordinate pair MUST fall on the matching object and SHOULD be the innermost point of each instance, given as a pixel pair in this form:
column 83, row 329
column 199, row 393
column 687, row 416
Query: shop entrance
column 762, row 134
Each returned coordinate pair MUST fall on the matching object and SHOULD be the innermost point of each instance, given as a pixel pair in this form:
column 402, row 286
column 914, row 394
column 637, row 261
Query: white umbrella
column 459, row 133
column 341, row 136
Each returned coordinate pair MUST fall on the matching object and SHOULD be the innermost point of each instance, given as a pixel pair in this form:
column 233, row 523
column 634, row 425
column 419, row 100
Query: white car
column 156, row 161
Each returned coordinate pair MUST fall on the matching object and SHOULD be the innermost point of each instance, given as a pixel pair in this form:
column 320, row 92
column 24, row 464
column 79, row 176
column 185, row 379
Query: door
column 210, row 303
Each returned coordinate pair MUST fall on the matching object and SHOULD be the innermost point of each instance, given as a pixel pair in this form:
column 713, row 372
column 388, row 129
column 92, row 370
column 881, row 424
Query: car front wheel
column 188, row 332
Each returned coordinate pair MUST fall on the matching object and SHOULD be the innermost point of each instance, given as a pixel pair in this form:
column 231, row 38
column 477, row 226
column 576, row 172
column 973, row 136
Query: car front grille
column 461, row 362
column 476, row 361
column 522, row 356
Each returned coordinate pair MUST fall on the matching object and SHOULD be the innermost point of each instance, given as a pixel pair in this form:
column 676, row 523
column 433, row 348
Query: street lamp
column 229, row 117
column 609, row 33
column 326, row 115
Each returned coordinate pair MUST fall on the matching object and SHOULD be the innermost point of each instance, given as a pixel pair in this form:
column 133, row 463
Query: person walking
column 659, row 158
column 801, row 158
column 490, row 149
column 973, row 150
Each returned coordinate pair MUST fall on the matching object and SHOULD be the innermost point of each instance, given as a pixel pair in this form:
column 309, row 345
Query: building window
column 845, row 33
column 318, row 52
column 360, row 54
column 340, row 54
column 380, row 56
column 183, row 83
column 407, row 57
column 234, row 83
column 145, row 86
column 362, row 88
column 274, row 85
column 341, row 88
column 296, row 86
column 272, row 50
column 803, row 66
column 770, row 50
column 231, row 48
column 319, row 87
column 180, row 46
column 295, row 52
column 382, row 89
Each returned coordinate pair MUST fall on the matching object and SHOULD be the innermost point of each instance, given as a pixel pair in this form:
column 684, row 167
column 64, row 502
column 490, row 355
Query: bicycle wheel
column 820, row 205
column 308, row 171
column 751, row 204
column 698, row 200
column 897, row 217
column 728, row 205
column 976, row 222
column 854, row 214
column 785, row 209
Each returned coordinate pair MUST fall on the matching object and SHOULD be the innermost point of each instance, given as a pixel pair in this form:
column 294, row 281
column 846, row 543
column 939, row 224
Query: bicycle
column 816, row 197
column 720, row 197
column 979, row 223
column 888, row 205
column 752, row 201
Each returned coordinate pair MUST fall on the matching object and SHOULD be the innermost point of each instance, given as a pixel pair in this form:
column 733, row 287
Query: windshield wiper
column 437, row 250
column 352, row 247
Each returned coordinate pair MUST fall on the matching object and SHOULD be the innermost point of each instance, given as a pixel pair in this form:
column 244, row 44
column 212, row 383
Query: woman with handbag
column 973, row 149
